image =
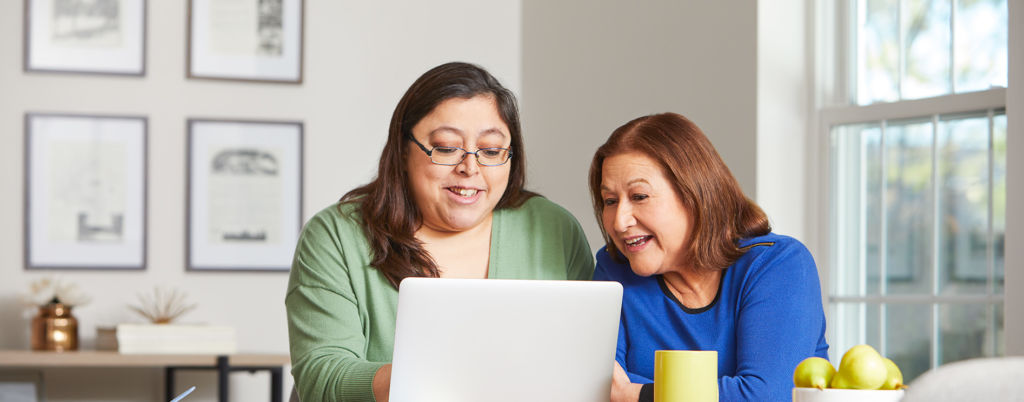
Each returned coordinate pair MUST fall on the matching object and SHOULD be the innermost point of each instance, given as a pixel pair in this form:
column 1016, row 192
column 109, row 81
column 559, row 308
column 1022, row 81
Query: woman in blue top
column 699, row 265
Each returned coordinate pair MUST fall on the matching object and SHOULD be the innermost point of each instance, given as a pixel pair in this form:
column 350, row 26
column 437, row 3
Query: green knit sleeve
column 324, row 323
column 558, row 236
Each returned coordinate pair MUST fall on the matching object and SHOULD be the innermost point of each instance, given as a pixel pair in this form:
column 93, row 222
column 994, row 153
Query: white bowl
column 845, row 395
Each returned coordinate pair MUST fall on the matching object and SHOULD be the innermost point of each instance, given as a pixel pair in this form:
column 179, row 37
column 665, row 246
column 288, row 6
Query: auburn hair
column 722, row 215
column 385, row 205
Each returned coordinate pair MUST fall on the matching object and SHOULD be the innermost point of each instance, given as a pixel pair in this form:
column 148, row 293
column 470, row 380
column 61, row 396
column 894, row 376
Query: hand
column 382, row 383
column 622, row 389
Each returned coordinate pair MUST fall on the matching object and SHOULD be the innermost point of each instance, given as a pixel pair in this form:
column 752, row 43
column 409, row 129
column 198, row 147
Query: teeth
column 636, row 240
column 467, row 192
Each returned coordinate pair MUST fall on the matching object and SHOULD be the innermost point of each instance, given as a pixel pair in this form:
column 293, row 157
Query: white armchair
column 982, row 379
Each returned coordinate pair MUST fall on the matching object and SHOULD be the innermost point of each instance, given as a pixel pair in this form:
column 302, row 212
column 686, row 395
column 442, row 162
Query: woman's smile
column 635, row 244
column 464, row 195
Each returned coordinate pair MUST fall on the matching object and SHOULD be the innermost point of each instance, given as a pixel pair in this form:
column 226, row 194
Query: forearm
column 336, row 378
column 382, row 383
column 627, row 393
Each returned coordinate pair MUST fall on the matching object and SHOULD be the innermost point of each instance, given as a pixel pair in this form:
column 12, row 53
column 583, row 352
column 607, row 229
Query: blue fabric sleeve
column 601, row 274
column 780, row 323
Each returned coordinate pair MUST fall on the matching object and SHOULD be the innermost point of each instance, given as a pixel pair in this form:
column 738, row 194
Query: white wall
column 784, row 109
column 359, row 59
column 589, row 67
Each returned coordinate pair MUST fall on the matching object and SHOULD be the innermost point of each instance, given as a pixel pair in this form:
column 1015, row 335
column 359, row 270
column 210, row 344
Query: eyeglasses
column 451, row 156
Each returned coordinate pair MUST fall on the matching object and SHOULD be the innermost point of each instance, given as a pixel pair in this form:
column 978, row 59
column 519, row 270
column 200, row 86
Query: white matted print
column 86, row 36
column 249, row 40
column 86, row 192
column 245, row 194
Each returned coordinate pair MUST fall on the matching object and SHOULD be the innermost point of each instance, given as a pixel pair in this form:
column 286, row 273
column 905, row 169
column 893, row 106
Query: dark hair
column 386, row 206
column 721, row 214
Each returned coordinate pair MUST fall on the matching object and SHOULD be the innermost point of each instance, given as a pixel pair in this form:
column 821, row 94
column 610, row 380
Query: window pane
column 927, row 46
column 853, row 324
column 856, row 199
column 908, row 338
column 999, row 197
column 980, row 48
column 878, row 52
column 964, row 331
column 909, row 195
column 963, row 205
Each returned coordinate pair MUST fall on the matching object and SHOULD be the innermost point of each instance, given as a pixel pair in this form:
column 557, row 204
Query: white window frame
column 834, row 106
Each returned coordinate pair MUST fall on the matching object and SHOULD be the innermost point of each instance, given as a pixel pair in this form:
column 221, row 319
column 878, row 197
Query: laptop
column 504, row 340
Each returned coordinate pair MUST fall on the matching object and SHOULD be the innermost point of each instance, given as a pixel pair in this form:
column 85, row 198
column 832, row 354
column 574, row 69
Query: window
column 917, row 161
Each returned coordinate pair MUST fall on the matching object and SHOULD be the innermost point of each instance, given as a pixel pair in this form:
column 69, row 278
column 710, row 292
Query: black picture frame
column 267, row 48
column 104, row 38
column 243, row 195
column 85, row 191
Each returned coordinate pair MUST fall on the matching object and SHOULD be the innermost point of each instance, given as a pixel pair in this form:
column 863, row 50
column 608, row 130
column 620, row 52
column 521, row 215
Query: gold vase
column 54, row 328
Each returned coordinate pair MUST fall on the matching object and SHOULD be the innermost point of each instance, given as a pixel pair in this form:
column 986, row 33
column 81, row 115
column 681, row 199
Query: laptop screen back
column 504, row 340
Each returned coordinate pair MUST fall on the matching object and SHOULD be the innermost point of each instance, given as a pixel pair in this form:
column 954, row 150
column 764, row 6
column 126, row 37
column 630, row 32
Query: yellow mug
column 685, row 375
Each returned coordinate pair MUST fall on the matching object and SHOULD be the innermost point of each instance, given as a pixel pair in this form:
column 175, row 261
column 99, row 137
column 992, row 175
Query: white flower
column 48, row 290
column 69, row 294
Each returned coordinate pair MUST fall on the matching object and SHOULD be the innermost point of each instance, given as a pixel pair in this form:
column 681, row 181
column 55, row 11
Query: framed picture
column 86, row 36
column 244, row 194
column 246, row 40
column 85, row 198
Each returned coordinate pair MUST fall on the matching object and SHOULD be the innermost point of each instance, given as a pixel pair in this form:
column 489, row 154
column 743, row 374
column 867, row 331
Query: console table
column 169, row 362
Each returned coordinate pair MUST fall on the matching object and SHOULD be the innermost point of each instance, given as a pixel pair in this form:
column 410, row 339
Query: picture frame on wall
column 246, row 40
column 244, row 195
column 85, row 198
column 85, row 36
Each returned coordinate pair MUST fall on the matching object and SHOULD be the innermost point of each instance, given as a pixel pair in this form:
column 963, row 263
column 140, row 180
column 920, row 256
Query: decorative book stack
column 176, row 339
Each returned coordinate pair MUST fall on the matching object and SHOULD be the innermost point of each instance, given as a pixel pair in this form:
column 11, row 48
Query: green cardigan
column 341, row 311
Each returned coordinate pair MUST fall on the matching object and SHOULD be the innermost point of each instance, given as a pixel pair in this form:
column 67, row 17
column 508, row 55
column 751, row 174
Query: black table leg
column 169, row 383
column 276, row 384
column 222, row 378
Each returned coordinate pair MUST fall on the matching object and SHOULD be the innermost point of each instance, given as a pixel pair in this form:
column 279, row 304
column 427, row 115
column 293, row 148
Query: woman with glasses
column 699, row 266
column 448, row 201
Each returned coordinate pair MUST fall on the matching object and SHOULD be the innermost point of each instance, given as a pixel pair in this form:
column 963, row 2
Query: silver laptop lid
column 504, row 340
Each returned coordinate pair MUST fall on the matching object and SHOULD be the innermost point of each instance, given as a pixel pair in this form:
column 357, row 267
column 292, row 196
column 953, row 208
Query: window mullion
column 936, row 200
column 990, row 252
column 883, row 266
column 883, row 241
column 936, row 191
column 862, row 226
column 952, row 46
column 852, row 61
column 901, row 65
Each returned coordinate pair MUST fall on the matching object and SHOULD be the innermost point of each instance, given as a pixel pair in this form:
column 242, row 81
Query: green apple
column 861, row 368
column 813, row 372
column 893, row 377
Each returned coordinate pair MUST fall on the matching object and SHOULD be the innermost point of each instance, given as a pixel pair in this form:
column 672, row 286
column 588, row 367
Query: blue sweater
column 766, row 318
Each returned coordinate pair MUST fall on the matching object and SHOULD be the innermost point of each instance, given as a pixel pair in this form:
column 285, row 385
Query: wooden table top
column 101, row 358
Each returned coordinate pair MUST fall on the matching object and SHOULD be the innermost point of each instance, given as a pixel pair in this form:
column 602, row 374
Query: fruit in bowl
column 814, row 372
column 863, row 375
column 894, row 377
column 861, row 368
